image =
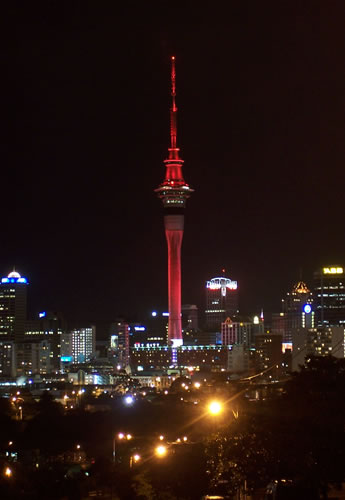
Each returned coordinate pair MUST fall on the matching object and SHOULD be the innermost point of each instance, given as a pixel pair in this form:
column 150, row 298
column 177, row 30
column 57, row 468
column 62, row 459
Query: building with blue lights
column 297, row 312
column 13, row 307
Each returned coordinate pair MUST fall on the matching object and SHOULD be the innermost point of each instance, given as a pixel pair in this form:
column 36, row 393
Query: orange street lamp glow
column 215, row 408
column 161, row 451
column 8, row 472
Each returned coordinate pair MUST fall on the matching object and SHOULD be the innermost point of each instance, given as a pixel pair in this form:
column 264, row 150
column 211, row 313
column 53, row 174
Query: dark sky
column 85, row 130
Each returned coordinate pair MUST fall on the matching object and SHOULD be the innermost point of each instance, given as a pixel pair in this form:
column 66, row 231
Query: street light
column 161, row 451
column 121, row 436
column 215, row 408
column 8, row 472
column 134, row 459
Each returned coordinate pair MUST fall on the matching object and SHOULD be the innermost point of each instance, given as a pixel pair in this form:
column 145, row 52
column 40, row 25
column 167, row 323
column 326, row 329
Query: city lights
column 129, row 400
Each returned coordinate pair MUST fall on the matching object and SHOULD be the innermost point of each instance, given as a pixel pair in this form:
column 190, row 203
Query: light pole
column 121, row 436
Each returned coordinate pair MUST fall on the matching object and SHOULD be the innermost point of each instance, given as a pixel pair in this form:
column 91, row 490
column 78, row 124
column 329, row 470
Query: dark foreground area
column 287, row 443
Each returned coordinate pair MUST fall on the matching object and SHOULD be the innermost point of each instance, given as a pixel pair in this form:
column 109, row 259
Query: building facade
column 80, row 344
column 241, row 332
column 221, row 301
column 297, row 312
column 268, row 354
column 319, row 341
column 13, row 307
column 329, row 296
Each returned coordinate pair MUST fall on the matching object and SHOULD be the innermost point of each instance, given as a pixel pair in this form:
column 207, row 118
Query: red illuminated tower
column 174, row 192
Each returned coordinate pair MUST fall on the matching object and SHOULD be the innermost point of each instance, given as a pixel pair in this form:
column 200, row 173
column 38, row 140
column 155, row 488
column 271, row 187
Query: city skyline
column 84, row 131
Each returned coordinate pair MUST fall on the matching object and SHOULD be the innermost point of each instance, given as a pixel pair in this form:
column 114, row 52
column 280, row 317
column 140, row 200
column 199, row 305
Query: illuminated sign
column 221, row 283
column 66, row 359
column 139, row 328
column 307, row 308
column 333, row 270
column 42, row 314
column 154, row 314
column 14, row 277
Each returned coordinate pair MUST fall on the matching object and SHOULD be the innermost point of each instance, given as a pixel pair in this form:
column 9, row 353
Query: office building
column 297, row 312
column 320, row 341
column 268, row 354
column 82, row 344
column 242, row 331
column 119, row 343
column 33, row 358
column 221, row 302
column 329, row 296
column 13, row 307
column 7, row 359
column 213, row 358
column 49, row 326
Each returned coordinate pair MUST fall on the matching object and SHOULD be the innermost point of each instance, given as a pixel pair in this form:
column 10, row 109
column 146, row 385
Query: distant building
column 215, row 358
column 48, row 326
column 80, row 344
column 13, row 307
column 320, row 341
column 221, row 301
column 238, row 359
column 189, row 317
column 7, row 359
column 329, row 296
column 119, row 342
column 268, row 353
column 241, row 332
column 297, row 312
column 33, row 358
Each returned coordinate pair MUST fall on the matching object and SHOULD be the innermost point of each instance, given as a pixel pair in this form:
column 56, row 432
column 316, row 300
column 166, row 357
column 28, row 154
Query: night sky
column 85, row 129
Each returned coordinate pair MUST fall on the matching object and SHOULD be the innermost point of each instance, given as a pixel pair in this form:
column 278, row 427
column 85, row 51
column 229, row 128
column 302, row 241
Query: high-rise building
column 13, row 307
column 221, row 301
column 119, row 342
column 83, row 344
column 297, row 312
column 174, row 192
column 329, row 296
column 49, row 326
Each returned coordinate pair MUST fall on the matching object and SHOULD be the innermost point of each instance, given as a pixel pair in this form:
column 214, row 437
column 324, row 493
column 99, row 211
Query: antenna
column 173, row 109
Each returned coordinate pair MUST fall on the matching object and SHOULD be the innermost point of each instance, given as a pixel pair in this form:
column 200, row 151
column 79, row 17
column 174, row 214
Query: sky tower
column 174, row 192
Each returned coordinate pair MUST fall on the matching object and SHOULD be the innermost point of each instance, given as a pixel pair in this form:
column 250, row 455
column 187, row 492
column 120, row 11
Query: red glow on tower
column 174, row 192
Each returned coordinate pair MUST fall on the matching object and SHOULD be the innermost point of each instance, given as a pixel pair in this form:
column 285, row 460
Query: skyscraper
column 13, row 299
column 329, row 296
column 297, row 312
column 82, row 344
column 221, row 301
column 174, row 192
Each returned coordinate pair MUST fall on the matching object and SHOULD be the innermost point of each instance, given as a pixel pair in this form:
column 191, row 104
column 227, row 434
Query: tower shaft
column 174, row 234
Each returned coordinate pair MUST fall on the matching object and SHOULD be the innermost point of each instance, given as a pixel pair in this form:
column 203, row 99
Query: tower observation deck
column 174, row 192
